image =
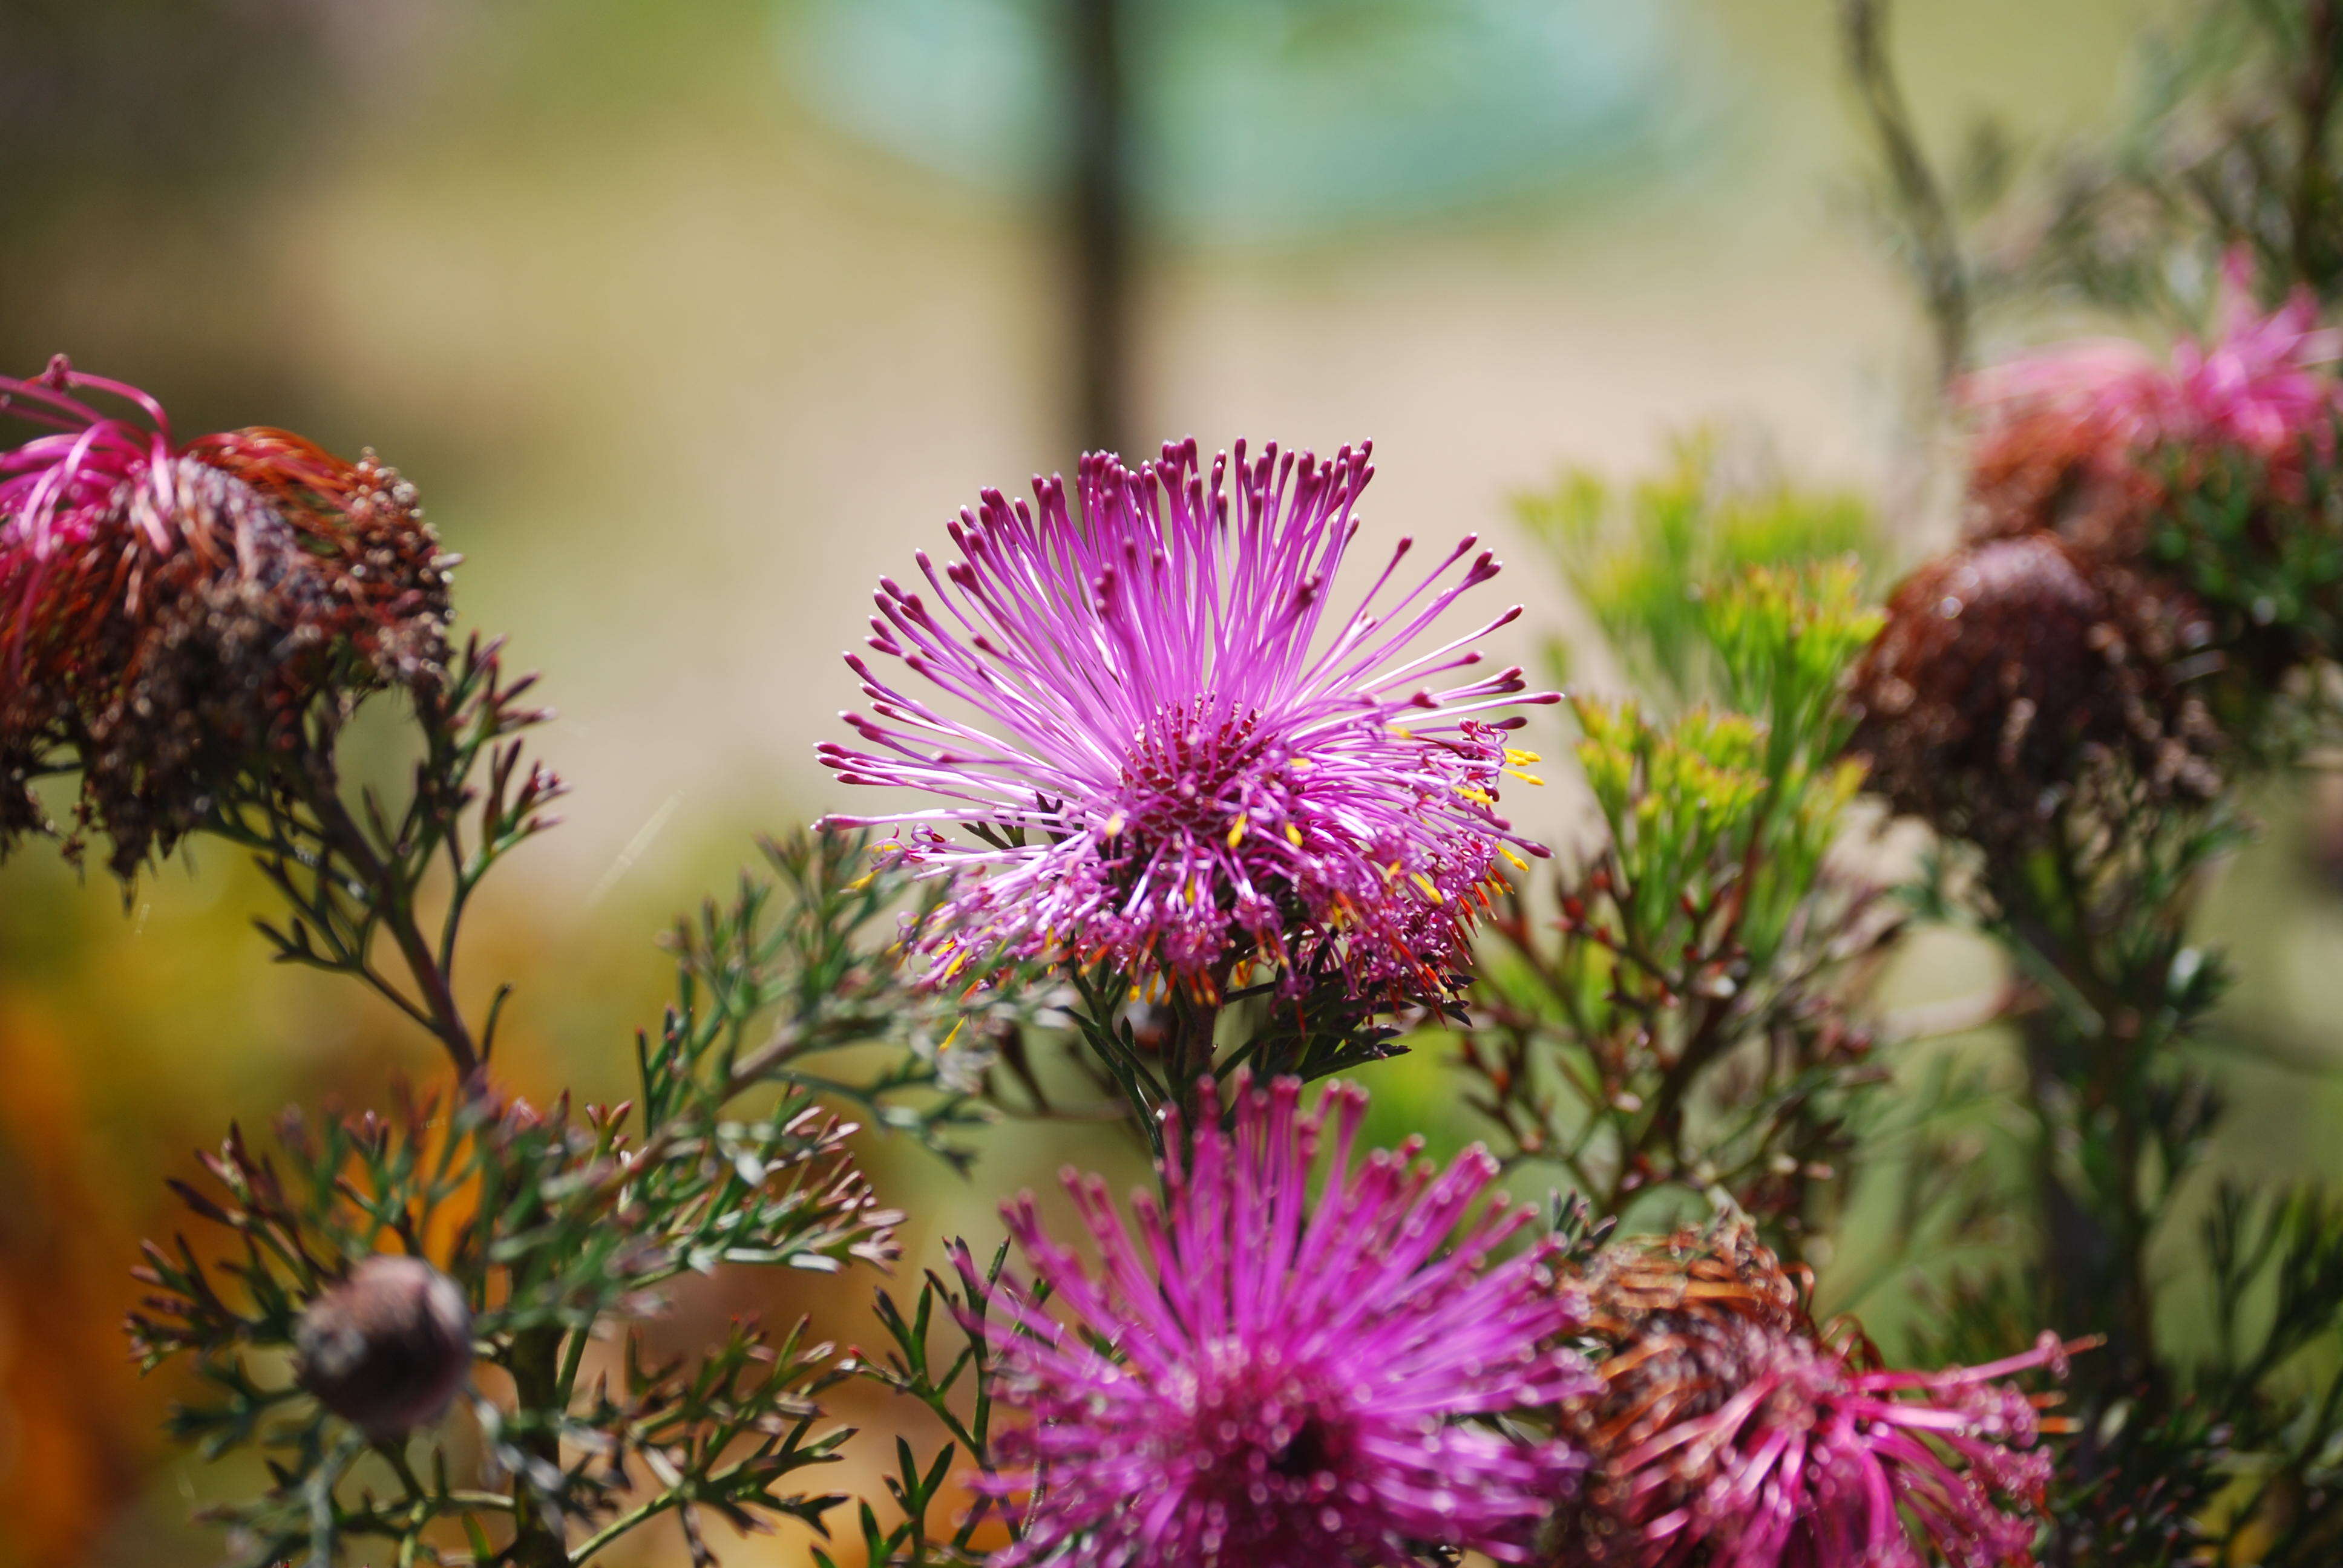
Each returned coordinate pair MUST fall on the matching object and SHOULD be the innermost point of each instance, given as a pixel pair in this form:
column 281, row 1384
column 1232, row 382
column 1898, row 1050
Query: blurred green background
column 692, row 318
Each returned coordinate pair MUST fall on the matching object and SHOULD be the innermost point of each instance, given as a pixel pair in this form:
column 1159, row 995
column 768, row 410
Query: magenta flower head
column 1732, row 1433
column 1177, row 756
column 2262, row 382
column 1256, row 1381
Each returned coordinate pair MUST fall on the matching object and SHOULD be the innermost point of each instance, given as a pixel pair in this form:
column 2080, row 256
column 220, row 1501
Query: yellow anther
column 954, row 1035
column 1524, row 778
column 1113, row 827
column 1430, row 889
column 1520, row 758
column 1519, row 864
column 1467, row 792
column 1294, row 835
column 863, row 882
column 1237, row 832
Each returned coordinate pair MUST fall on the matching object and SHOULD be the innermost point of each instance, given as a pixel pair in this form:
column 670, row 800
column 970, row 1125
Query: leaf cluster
column 353, row 876
column 564, row 1227
column 957, row 1393
column 1644, row 560
column 1688, row 1025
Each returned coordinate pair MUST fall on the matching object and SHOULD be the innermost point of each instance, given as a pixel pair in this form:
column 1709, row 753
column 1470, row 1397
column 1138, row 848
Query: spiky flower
column 2013, row 674
column 1178, row 757
column 168, row 611
column 1256, row 1381
column 1731, row 1431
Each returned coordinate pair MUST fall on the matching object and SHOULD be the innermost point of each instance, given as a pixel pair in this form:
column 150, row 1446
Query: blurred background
column 690, row 319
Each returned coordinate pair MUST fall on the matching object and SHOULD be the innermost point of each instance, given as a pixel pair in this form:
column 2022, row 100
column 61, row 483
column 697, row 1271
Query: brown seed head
column 2062, row 470
column 2014, row 674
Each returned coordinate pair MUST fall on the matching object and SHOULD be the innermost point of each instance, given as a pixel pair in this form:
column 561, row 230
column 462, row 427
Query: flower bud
column 387, row 1347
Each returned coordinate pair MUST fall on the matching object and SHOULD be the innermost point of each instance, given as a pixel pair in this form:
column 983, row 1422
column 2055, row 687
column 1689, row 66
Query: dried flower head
column 387, row 1347
column 1257, row 1380
column 173, row 611
column 1182, row 763
column 2014, row 673
column 1731, row 1431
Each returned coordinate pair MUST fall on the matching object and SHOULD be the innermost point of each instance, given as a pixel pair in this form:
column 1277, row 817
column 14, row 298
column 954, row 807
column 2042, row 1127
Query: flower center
column 1195, row 768
column 1308, row 1453
column 1256, row 1430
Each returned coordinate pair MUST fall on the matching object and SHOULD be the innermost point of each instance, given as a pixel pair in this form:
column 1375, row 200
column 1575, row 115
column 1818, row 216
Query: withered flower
column 2014, row 674
column 1732, row 1432
column 171, row 613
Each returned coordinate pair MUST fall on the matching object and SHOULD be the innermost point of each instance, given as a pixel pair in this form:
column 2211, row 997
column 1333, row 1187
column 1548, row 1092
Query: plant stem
column 393, row 900
column 536, row 1368
column 1930, row 230
column 1099, row 229
column 1188, row 1052
column 2314, row 102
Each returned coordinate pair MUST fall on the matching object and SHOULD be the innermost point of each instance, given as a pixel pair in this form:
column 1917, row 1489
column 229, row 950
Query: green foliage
column 806, row 963
column 956, row 1394
column 2259, row 545
column 353, row 876
column 2230, row 144
column 1642, row 561
column 1148, row 1049
column 1689, row 1032
column 560, row 1226
column 1784, row 638
column 554, row 1225
column 2241, row 1460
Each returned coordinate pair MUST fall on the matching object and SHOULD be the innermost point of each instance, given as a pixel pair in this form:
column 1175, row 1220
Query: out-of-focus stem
column 536, row 1368
column 2314, row 99
column 2083, row 1073
column 1100, row 232
column 1934, row 239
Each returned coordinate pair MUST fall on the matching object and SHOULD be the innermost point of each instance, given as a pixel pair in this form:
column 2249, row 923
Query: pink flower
column 2262, row 383
column 1254, row 1380
column 1176, row 757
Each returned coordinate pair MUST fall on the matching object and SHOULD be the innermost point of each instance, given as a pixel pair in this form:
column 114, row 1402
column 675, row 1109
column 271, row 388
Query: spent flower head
column 1732, row 1431
column 1255, row 1379
column 2014, row 674
column 1182, row 758
column 169, row 611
